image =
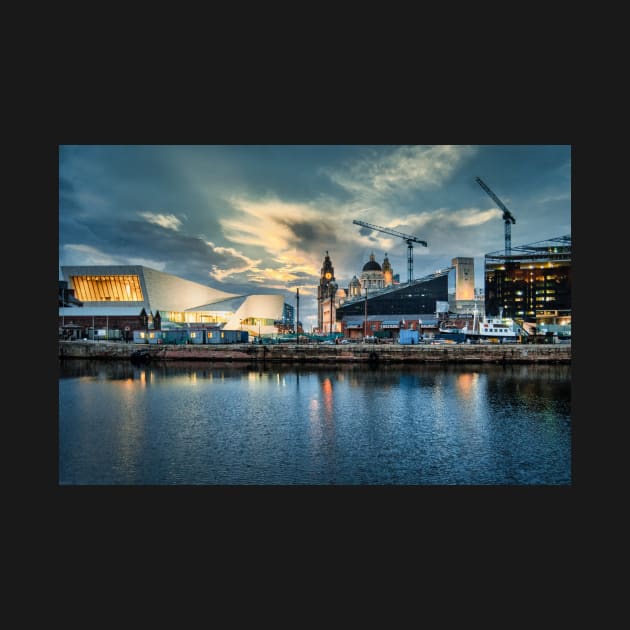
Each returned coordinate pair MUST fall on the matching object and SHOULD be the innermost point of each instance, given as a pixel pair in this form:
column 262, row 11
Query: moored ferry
column 486, row 329
column 492, row 329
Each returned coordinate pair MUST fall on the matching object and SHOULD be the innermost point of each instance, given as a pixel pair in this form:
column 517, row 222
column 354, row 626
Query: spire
column 327, row 267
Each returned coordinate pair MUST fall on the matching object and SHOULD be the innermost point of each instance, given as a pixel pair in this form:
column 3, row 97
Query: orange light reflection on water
column 327, row 390
column 465, row 384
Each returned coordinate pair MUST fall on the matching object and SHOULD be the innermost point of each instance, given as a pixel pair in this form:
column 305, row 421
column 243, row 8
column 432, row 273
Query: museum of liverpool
column 113, row 301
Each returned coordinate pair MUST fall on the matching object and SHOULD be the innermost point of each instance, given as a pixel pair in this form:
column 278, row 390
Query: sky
column 260, row 218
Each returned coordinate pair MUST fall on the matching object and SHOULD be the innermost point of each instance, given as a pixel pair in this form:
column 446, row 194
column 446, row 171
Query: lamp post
column 297, row 319
column 333, row 290
column 366, row 301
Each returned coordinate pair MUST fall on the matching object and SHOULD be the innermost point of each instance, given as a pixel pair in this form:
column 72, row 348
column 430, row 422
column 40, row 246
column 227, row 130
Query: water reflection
column 194, row 423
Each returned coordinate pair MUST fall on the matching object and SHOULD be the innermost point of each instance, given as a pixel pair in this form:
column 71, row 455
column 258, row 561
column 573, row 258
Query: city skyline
column 259, row 219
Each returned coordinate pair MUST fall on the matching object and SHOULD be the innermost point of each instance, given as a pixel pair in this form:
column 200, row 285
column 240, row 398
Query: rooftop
column 558, row 248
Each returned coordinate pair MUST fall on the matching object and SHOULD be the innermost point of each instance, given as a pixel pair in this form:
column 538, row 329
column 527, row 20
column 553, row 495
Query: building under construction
column 532, row 283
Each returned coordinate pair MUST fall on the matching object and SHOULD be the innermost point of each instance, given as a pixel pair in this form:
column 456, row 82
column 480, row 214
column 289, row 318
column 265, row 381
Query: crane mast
column 508, row 219
column 408, row 238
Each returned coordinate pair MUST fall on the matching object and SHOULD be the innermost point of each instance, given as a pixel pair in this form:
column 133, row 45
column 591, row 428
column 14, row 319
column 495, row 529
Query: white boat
column 493, row 329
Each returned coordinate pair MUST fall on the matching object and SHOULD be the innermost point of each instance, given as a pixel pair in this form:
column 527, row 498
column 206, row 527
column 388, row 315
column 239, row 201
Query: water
column 169, row 424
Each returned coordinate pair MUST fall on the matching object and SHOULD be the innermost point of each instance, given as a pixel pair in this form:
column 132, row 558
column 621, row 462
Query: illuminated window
column 193, row 335
column 107, row 288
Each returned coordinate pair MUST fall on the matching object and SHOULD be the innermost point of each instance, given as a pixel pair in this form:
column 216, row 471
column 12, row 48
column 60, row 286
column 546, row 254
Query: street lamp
column 366, row 311
column 297, row 317
column 333, row 289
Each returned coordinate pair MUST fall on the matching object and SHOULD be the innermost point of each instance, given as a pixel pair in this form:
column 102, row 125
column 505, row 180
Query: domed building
column 372, row 275
column 331, row 296
column 354, row 288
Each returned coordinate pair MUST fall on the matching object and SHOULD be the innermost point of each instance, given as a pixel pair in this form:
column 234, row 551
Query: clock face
column 328, row 275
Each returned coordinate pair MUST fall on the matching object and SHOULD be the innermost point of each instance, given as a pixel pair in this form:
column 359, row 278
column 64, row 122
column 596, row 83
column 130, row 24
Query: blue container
column 231, row 336
column 227, row 336
column 140, row 336
column 177, row 336
column 408, row 337
column 213, row 336
column 155, row 337
column 197, row 336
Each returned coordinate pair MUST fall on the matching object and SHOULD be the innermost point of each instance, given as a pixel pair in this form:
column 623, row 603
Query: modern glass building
column 532, row 283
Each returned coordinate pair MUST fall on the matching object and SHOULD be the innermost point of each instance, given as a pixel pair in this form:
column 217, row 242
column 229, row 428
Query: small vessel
column 450, row 334
column 491, row 329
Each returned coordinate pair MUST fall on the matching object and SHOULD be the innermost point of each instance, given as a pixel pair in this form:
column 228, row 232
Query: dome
column 372, row 265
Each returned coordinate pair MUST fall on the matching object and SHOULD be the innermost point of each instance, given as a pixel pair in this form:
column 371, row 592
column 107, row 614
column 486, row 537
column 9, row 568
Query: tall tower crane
column 508, row 219
column 406, row 237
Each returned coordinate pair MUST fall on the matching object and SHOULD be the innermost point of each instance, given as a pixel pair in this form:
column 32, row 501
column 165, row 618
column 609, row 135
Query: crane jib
column 507, row 215
column 378, row 228
column 408, row 238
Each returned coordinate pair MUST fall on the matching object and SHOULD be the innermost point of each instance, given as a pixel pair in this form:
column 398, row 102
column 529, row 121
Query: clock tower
column 324, row 289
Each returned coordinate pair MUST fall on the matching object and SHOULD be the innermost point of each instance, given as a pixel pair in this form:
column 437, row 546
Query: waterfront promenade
column 320, row 353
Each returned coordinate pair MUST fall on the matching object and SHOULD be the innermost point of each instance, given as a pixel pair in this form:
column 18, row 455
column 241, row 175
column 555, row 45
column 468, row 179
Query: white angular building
column 125, row 290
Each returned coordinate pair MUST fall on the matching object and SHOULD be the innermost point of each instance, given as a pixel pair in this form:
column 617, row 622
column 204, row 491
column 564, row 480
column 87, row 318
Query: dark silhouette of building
column 417, row 297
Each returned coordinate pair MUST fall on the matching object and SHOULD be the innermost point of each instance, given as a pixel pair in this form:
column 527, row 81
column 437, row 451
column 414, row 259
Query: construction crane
column 508, row 219
column 406, row 237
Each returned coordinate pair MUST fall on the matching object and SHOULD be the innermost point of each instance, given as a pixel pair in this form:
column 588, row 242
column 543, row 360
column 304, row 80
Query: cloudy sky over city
column 259, row 219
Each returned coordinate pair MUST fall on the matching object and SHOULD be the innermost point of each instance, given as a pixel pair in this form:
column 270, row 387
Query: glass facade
column 254, row 321
column 196, row 317
column 288, row 316
column 534, row 280
column 107, row 288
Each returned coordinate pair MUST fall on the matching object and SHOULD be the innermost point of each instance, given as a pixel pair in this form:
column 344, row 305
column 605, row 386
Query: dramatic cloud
column 167, row 221
column 232, row 268
column 87, row 255
column 286, row 232
column 249, row 219
column 77, row 254
column 404, row 168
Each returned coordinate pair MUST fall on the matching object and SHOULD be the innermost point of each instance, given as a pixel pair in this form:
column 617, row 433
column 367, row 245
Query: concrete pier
column 314, row 353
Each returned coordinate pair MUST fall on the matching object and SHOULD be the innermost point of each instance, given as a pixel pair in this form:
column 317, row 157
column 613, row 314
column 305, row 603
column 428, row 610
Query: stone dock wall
column 311, row 353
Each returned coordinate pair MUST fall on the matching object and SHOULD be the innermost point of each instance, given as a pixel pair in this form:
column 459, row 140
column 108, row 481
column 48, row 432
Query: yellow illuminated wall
column 107, row 288
column 465, row 278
